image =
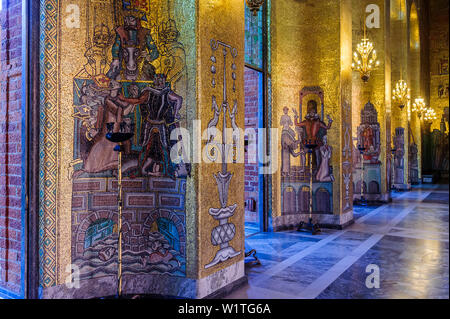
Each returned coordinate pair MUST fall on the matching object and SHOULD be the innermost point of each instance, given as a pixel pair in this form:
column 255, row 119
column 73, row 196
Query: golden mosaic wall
column 399, row 68
column 439, row 59
column 220, row 21
column 415, row 78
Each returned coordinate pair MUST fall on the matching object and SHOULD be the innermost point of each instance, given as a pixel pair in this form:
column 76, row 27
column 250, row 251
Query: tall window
column 255, row 102
column 254, row 41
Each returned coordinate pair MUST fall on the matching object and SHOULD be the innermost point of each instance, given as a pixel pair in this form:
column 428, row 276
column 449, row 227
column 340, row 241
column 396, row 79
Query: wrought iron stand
column 310, row 226
column 393, row 150
column 362, row 201
column 252, row 253
column 119, row 138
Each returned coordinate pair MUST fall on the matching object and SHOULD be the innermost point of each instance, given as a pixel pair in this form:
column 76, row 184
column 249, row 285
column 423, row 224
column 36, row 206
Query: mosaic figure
column 313, row 128
column 96, row 53
column 289, row 144
column 413, row 164
column 324, row 174
column 133, row 44
column 296, row 179
column 102, row 156
column 368, row 166
column 130, row 97
column 162, row 107
column 173, row 57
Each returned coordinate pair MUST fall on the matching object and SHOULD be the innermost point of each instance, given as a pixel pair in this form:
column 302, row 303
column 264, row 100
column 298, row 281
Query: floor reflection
column 407, row 239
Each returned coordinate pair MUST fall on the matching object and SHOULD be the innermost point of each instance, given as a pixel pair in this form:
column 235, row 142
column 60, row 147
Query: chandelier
column 419, row 107
column 254, row 5
column 430, row 115
column 400, row 94
column 365, row 58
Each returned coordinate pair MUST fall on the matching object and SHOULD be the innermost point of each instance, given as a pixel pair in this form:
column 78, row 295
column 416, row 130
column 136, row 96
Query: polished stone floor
column 406, row 241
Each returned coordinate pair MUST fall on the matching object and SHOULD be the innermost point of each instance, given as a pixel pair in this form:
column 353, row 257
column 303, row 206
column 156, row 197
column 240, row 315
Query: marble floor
column 405, row 242
column 251, row 228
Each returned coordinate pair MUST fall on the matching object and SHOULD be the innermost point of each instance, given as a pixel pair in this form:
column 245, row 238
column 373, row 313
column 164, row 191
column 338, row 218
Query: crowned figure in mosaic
column 314, row 129
column 96, row 52
column 102, row 156
column 172, row 55
column 133, row 47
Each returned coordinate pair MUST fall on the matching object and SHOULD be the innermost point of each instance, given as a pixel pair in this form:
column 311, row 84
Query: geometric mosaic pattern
column 48, row 142
column 222, row 234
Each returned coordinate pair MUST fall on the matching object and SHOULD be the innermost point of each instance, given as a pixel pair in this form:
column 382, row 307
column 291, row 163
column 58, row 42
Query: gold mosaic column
column 378, row 89
column 312, row 47
column 415, row 78
column 399, row 70
column 220, row 103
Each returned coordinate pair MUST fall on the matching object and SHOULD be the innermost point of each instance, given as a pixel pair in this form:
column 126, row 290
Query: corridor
column 407, row 240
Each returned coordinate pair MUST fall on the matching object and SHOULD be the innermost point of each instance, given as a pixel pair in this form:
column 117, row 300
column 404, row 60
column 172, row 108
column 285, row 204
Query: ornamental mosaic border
column 48, row 142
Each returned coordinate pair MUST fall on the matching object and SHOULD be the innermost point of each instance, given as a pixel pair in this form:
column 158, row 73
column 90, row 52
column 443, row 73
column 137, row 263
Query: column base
column 220, row 283
column 292, row 221
column 372, row 199
column 402, row 187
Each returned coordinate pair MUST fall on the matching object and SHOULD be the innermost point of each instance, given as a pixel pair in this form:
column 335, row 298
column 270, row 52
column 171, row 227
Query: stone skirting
column 372, row 182
column 223, row 281
column 402, row 187
column 324, row 220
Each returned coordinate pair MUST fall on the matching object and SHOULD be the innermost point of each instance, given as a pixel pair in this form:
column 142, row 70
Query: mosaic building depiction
column 369, row 138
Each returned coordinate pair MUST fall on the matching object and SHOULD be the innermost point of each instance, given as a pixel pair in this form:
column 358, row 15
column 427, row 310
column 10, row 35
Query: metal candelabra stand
column 310, row 226
column 118, row 138
column 393, row 150
column 362, row 200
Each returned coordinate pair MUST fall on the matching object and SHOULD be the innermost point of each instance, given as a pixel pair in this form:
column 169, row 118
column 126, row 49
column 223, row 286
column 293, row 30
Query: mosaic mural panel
column 112, row 66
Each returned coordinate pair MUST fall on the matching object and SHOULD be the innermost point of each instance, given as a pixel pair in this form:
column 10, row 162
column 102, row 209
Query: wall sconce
column 254, row 5
column 401, row 94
